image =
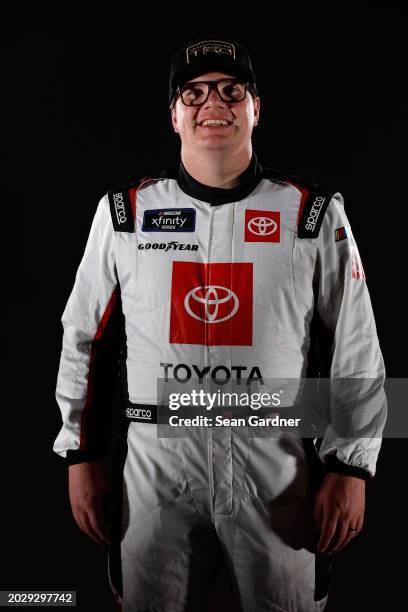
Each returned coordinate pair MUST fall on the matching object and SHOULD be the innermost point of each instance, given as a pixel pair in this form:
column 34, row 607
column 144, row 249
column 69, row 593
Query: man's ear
column 257, row 108
column 174, row 119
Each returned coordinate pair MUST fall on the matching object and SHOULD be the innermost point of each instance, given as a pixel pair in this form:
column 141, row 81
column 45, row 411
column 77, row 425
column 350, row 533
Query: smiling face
column 241, row 118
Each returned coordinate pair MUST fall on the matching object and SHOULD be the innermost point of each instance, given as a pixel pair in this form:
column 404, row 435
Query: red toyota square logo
column 211, row 303
column 262, row 226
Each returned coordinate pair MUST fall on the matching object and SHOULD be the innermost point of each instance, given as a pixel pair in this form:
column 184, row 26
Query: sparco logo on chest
column 119, row 207
column 314, row 213
column 169, row 220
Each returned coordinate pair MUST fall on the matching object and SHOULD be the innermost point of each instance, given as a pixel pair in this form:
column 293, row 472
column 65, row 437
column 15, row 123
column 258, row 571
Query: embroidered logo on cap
column 210, row 46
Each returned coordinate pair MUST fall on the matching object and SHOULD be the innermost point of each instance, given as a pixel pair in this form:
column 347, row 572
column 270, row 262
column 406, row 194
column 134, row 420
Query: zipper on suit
column 207, row 363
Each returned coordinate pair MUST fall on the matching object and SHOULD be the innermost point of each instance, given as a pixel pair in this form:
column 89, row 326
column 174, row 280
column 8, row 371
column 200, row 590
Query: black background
column 84, row 108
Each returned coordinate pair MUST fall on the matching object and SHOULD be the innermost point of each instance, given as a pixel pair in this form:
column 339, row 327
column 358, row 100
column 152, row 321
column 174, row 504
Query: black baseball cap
column 206, row 54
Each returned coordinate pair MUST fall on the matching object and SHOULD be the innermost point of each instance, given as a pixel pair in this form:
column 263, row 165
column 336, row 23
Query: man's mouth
column 214, row 126
column 214, row 123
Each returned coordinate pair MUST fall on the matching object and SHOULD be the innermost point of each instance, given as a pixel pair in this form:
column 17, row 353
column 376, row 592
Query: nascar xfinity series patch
column 169, row 220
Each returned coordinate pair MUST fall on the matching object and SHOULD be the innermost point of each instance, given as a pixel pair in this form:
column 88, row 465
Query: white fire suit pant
column 221, row 491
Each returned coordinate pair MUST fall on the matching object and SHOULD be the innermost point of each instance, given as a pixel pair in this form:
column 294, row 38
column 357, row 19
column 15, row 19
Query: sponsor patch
column 340, row 234
column 262, row 226
column 141, row 413
column 172, row 245
column 211, row 304
column 357, row 271
column 169, row 220
column 314, row 203
column 121, row 210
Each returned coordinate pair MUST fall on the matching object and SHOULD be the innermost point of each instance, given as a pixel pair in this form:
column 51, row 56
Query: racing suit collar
column 248, row 180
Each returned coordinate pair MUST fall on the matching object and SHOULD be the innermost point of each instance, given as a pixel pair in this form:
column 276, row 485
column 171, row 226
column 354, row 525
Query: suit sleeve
column 358, row 406
column 92, row 341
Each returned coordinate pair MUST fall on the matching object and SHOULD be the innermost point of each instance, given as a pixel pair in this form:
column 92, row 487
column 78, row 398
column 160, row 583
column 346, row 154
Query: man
column 219, row 268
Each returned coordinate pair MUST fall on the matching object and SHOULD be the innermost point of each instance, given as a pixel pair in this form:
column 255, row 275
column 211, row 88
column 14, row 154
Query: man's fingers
column 91, row 531
column 104, row 515
column 89, row 486
column 342, row 502
column 352, row 532
column 342, row 533
column 350, row 536
column 77, row 518
column 97, row 521
column 87, row 525
column 326, row 534
column 83, row 523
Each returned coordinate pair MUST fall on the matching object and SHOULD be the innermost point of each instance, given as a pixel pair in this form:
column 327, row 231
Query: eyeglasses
column 196, row 93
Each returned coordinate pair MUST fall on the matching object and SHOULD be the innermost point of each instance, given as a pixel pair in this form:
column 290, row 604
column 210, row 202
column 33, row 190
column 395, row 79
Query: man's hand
column 338, row 511
column 89, row 492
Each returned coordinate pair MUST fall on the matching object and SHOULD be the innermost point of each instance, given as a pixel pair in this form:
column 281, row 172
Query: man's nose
column 214, row 98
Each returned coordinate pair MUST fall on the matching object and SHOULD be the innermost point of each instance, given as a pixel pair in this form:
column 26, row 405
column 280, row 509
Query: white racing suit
column 180, row 279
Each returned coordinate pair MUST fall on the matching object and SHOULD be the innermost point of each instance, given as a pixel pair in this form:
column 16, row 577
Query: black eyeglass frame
column 214, row 85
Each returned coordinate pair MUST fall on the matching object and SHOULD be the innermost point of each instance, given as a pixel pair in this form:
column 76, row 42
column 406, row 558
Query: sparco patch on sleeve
column 169, row 220
column 121, row 210
column 312, row 215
